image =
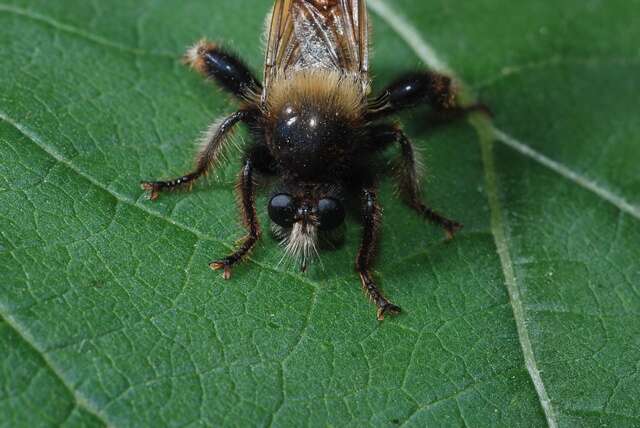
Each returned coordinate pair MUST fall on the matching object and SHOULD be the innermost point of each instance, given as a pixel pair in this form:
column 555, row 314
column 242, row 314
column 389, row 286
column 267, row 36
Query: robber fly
column 315, row 129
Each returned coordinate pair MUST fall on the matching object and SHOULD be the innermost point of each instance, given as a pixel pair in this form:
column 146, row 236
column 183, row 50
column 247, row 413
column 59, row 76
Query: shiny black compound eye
column 282, row 210
column 330, row 213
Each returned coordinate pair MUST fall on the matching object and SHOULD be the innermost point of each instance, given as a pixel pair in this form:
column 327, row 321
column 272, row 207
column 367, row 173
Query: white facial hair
column 301, row 243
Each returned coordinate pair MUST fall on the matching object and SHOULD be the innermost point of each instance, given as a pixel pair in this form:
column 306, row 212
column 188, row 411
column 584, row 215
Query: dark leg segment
column 209, row 154
column 417, row 88
column 230, row 72
column 246, row 190
column 409, row 180
column 371, row 218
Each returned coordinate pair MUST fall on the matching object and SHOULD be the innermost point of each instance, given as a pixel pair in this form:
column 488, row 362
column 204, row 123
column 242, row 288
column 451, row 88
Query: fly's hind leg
column 212, row 147
column 246, row 190
column 407, row 175
column 225, row 68
column 414, row 89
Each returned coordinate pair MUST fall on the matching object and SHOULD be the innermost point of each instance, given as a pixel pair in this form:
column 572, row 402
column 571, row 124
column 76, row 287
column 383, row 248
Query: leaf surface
column 110, row 315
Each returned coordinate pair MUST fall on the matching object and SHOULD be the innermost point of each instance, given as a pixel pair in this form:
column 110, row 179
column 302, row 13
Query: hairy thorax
column 314, row 118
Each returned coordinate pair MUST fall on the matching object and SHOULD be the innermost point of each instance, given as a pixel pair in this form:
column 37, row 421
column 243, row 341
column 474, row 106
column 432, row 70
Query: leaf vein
column 80, row 399
column 60, row 26
column 621, row 203
column 454, row 396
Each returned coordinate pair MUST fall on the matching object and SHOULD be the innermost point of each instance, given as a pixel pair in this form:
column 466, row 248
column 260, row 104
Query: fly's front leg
column 213, row 145
column 409, row 182
column 407, row 175
column 371, row 218
column 246, row 189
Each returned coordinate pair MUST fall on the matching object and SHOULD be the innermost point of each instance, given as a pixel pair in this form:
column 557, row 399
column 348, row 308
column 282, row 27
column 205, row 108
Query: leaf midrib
column 484, row 129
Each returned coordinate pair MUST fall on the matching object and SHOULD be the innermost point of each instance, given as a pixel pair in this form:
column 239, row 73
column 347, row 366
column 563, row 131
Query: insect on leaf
column 109, row 315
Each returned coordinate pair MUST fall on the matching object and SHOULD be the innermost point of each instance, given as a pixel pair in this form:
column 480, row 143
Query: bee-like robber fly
column 317, row 131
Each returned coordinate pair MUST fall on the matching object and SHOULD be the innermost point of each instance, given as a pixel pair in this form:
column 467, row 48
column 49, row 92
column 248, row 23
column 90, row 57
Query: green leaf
column 111, row 316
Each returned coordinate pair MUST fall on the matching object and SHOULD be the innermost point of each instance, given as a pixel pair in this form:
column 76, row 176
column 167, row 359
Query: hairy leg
column 371, row 217
column 417, row 88
column 246, row 190
column 408, row 177
column 229, row 71
column 213, row 145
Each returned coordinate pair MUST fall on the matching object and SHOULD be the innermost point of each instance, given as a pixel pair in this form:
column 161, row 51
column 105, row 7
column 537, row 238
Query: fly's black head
column 302, row 212
column 323, row 210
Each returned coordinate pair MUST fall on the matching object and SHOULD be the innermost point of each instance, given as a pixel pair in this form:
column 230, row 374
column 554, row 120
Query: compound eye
column 282, row 210
column 331, row 213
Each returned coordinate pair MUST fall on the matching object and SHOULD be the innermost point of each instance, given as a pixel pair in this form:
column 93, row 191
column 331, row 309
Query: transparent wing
column 329, row 34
